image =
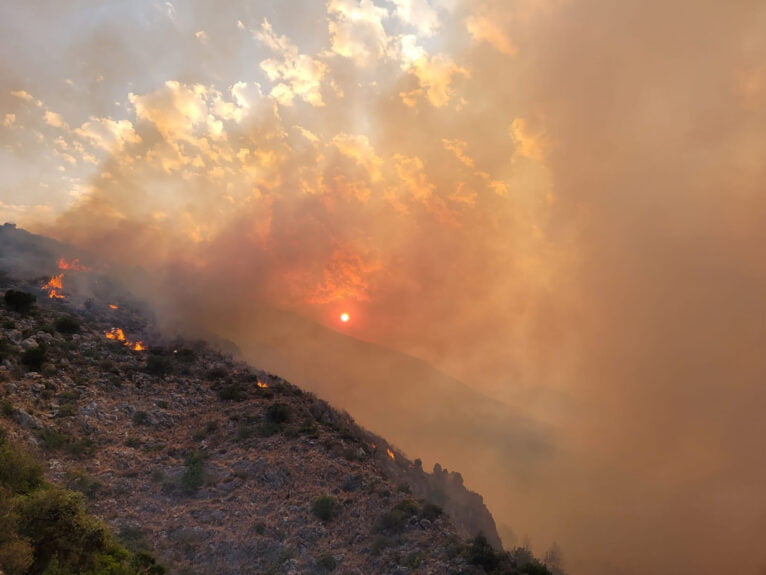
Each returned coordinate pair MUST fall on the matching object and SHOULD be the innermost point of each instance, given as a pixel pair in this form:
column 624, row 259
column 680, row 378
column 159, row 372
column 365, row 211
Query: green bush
column 18, row 471
column 194, row 474
column 325, row 508
column 19, row 301
column 45, row 530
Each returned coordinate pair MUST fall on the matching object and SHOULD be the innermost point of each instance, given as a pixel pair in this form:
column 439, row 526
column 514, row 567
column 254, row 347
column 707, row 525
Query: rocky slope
column 215, row 466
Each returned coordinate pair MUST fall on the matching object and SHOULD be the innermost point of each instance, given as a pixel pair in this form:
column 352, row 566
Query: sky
column 561, row 203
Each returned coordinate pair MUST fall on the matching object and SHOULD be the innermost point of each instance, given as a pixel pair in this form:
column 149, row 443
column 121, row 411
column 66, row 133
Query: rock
column 14, row 335
column 26, row 420
column 29, row 343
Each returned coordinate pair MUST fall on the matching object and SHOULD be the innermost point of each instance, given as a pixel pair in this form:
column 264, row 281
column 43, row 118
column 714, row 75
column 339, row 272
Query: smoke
column 558, row 203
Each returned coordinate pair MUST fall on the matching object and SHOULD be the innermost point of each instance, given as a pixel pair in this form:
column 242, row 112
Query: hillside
column 213, row 465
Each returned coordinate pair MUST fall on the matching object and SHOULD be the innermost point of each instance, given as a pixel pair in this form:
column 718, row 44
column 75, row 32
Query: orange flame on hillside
column 112, row 306
column 74, row 265
column 262, row 385
column 53, row 287
column 116, row 334
column 391, row 454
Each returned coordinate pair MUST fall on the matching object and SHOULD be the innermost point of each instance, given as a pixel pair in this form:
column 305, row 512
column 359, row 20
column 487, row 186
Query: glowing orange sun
column 344, row 317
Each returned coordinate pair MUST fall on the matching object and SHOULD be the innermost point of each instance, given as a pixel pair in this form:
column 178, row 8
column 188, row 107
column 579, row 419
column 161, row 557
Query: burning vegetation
column 117, row 334
column 54, row 286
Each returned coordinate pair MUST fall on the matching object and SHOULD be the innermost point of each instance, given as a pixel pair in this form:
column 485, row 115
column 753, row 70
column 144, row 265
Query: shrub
column 5, row 348
column 325, row 508
column 233, row 392
column 18, row 471
column 67, row 324
column 159, row 365
column 278, row 413
column 431, row 511
column 194, row 474
column 80, row 480
column 34, row 357
column 67, row 410
column 396, row 519
column 6, row 408
column 327, row 562
column 480, row 553
column 19, row 301
column 140, row 418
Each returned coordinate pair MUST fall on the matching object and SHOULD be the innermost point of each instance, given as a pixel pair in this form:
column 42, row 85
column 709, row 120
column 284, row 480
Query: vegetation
column 327, row 562
column 67, row 324
column 325, row 508
column 45, row 529
column 34, row 357
column 159, row 365
column 194, row 474
column 19, row 301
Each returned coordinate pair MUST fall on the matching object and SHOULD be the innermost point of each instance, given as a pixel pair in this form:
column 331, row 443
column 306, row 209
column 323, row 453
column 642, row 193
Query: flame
column 112, row 306
column 391, row 454
column 74, row 265
column 54, row 285
column 262, row 385
column 116, row 334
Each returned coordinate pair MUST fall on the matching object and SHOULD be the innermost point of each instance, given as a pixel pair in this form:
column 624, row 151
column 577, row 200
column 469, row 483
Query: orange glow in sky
column 344, row 317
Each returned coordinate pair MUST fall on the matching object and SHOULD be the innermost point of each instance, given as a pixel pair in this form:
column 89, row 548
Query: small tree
column 325, row 508
column 19, row 301
column 480, row 553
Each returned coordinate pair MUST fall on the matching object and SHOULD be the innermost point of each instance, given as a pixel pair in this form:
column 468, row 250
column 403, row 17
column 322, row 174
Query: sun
column 344, row 317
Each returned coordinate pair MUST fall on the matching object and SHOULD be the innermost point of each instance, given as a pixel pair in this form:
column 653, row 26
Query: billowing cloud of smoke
column 560, row 203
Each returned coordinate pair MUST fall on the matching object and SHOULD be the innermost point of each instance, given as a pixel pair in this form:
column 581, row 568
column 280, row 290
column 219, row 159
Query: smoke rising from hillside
column 559, row 203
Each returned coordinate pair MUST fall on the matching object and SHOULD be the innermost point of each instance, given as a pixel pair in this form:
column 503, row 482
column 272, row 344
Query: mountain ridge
column 174, row 427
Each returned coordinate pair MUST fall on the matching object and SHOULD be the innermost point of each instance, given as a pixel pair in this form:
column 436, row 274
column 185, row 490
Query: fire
column 54, row 285
column 391, row 454
column 262, row 385
column 112, row 306
column 116, row 334
column 74, row 265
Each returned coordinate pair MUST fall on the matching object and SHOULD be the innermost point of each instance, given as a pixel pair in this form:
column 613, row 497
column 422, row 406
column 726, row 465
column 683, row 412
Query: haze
column 559, row 203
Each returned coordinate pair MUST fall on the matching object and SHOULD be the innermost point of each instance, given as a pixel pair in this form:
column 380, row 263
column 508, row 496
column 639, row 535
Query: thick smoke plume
column 559, row 203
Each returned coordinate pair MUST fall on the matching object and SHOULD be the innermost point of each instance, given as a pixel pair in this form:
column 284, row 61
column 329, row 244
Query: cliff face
column 214, row 465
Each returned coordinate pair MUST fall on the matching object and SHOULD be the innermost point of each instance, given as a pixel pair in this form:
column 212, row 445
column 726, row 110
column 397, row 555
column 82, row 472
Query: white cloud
column 418, row 13
column 109, row 134
column 295, row 75
column 356, row 30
